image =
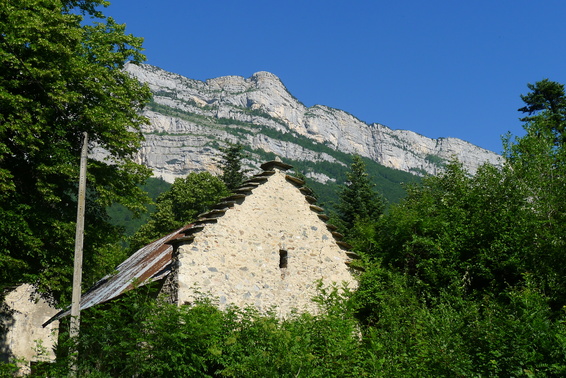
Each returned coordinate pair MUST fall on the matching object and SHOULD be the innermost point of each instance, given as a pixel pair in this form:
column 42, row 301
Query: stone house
column 264, row 246
column 267, row 246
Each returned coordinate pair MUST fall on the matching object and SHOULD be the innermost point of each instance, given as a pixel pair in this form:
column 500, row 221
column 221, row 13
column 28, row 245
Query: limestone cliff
column 190, row 119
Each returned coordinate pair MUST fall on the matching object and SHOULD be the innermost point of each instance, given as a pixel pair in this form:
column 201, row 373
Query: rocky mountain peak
column 191, row 118
column 267, row 80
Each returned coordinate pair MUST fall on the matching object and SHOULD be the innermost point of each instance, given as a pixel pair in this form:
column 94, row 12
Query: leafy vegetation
column 122, row 217
column 187, row 198
column 62, row 77
column 138, row 336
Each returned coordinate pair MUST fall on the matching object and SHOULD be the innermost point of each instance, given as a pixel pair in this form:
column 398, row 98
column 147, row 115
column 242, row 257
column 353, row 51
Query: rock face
column 190, row 119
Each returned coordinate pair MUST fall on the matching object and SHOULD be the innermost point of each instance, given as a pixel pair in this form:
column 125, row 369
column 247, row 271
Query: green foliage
column 61, row 77
column 187, row 198
column 402, row 336
column 475, row 233
column 126, row 219
column 9, row 369
column 469, row 284
column 405, row 337
column 547, row 101
column 138, row 336
column 539, row 172
column 519, row 338
column 231, row 164
column 448, row 335
column 359, row 204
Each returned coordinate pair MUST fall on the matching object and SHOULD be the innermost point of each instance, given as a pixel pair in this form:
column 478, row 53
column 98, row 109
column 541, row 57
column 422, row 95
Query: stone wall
column 268, row 250
column 24, row 312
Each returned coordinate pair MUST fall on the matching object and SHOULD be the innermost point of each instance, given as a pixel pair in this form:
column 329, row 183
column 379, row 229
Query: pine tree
column 358, row 199
column 546, row 108
column 231, row 164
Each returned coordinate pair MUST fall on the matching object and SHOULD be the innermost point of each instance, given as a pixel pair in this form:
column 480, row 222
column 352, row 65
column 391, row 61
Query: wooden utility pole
column 79, row 236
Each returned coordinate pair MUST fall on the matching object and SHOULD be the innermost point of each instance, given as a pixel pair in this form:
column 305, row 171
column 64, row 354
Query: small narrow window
column 283, row 259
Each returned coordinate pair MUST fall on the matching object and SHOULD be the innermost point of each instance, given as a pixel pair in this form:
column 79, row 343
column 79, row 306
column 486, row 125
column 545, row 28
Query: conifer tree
column 546, row 108
column 358, row 199
column 231, row 164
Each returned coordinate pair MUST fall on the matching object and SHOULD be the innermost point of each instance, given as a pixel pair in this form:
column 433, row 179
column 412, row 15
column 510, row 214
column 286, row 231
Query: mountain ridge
column 190, row 119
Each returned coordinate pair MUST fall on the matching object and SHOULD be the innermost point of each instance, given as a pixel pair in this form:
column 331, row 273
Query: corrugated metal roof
column 148, row 264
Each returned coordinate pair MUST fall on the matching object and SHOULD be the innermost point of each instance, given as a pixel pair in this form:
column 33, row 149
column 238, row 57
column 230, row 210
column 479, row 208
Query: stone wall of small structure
column 24, row 313
column 267, row 250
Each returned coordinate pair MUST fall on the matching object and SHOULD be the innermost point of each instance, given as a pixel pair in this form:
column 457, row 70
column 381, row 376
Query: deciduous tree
column 61, row 76
column 483, row 233
column 187, row 198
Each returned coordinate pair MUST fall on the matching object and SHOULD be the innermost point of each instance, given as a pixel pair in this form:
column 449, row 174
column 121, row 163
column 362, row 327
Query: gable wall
column 237, row 259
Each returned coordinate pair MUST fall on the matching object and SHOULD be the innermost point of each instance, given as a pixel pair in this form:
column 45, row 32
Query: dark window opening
column 283, row 257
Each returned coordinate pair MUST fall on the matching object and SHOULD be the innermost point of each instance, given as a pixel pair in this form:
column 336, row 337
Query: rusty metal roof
column 148, row 264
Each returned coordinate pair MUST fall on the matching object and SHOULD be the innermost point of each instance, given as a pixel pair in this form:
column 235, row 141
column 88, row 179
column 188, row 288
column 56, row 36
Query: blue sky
column 440, row 68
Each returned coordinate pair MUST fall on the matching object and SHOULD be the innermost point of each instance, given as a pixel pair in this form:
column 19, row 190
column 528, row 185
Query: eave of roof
column 148, row 264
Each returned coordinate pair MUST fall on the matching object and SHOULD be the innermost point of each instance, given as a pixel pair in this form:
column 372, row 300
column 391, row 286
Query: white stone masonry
column 267, row 251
